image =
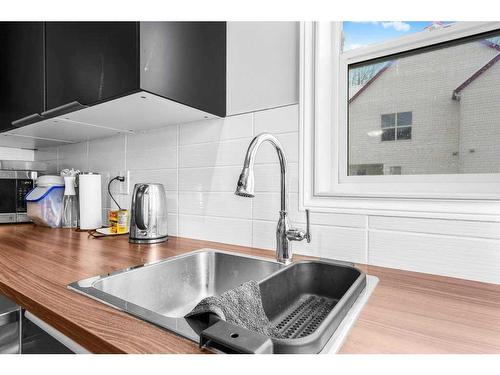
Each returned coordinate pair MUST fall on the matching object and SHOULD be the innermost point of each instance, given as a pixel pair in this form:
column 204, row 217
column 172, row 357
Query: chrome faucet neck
column 245, row 188
column 249, row 162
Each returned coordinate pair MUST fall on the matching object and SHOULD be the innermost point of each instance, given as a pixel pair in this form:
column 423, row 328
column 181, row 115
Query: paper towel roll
column 89, row 185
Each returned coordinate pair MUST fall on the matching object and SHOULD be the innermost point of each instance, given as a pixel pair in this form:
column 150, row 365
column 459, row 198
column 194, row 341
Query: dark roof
column 456, row 92
column 371, row 80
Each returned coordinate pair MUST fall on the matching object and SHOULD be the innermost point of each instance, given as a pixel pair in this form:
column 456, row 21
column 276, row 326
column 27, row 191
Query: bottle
column 70, row 203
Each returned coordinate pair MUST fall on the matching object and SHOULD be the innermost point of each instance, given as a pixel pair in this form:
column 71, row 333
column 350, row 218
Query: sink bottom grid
column 304, row 316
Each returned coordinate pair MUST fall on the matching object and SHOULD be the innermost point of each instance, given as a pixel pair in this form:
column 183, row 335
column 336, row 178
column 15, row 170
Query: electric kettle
column 148, row 221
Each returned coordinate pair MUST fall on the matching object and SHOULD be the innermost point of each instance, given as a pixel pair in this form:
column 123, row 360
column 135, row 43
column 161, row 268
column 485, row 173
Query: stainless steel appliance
column 10, row 332
column 148, row 222
column 16, row 180
column 22, row 334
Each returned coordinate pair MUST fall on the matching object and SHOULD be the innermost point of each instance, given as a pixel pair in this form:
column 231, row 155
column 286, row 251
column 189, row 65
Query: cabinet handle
column 31, row 119
column 63, row 109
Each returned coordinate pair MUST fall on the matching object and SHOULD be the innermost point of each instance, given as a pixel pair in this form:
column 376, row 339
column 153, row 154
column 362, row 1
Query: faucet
column 245, row 188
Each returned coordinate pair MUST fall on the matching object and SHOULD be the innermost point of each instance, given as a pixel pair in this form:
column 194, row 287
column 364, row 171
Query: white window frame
column 323, row 180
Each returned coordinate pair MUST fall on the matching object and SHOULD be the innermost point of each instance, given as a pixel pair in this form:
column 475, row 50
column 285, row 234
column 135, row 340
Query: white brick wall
column 199, row 164
column 480, row 119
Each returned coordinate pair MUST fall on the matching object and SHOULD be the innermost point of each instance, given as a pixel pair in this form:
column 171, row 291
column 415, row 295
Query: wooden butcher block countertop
column 408, row 312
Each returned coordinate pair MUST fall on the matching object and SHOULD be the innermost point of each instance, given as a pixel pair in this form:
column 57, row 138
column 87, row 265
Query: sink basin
column 305, row 300
column 173, row 287
column 318, row 296
column 163, row 292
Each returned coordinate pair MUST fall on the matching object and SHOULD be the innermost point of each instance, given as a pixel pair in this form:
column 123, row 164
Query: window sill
column 452, row 209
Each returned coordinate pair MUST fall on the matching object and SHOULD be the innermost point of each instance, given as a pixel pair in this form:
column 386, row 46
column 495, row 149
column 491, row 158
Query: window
column 396, row 126
column 395, row 170
column 409, row 124
column 452, row 89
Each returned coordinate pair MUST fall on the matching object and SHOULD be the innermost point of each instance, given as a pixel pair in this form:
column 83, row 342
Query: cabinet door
column 262, row 65
column 185, row 62
column 89, row 62
column 21, row 71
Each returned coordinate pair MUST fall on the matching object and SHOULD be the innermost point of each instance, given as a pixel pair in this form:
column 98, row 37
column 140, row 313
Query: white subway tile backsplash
column 225, row 153
column 52, row 166
column 216, row 130
column 49, row 153
column 437, row 226
column 215, row 204
column 469, row 258
column 73, row 156
column 267, row 177
column 289, row 141
column 107, row 154
column 215, row 179
column 266, row 206
column 277, row 120
column 167, row 177
column 347, row 244
column 264, row 234
column 339, row 220
column 156, row 149
column 49, row 157
column 228, row 230
column 172, row 225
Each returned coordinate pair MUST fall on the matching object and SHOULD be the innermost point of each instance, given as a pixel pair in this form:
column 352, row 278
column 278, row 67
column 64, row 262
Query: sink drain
column 306, row 314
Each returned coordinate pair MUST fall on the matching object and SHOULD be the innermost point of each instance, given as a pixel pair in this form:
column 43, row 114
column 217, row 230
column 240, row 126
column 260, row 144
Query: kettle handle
column 139, row 212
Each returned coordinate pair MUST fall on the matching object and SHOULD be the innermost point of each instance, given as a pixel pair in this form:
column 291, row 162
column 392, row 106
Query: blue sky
column 358, row 34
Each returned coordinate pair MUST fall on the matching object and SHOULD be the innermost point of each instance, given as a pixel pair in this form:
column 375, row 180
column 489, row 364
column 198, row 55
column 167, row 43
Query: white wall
column 199, row 164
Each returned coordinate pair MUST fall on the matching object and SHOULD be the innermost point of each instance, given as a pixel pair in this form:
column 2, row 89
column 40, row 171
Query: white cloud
column 396, row 25
column 350, row 46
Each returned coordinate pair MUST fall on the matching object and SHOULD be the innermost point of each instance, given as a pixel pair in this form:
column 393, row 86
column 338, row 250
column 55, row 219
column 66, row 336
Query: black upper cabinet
column 89, row 62
column 185, row 62
column 21, row 71
column 54, row 68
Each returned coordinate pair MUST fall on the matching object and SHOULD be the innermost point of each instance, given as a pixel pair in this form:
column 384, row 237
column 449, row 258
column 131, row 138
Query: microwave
column 14, row 185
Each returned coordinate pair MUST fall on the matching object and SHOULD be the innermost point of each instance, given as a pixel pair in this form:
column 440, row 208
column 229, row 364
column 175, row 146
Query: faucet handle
column 294, row 234
column 308, row 232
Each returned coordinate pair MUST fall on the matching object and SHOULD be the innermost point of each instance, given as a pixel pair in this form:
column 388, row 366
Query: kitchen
column 199, row 166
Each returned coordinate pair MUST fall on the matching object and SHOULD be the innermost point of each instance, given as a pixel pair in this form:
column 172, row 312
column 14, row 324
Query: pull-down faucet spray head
column 245, row 186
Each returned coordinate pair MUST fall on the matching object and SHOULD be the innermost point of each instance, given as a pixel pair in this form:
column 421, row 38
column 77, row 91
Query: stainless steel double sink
column 305, row 300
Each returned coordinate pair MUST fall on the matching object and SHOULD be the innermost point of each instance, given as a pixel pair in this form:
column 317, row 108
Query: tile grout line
column 367, row 239
column 87, row 146
column 227, row 140
column 178, row 133
column 252, row 202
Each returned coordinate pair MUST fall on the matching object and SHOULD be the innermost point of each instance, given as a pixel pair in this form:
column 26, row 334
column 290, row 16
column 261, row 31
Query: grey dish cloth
column 240, row 306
